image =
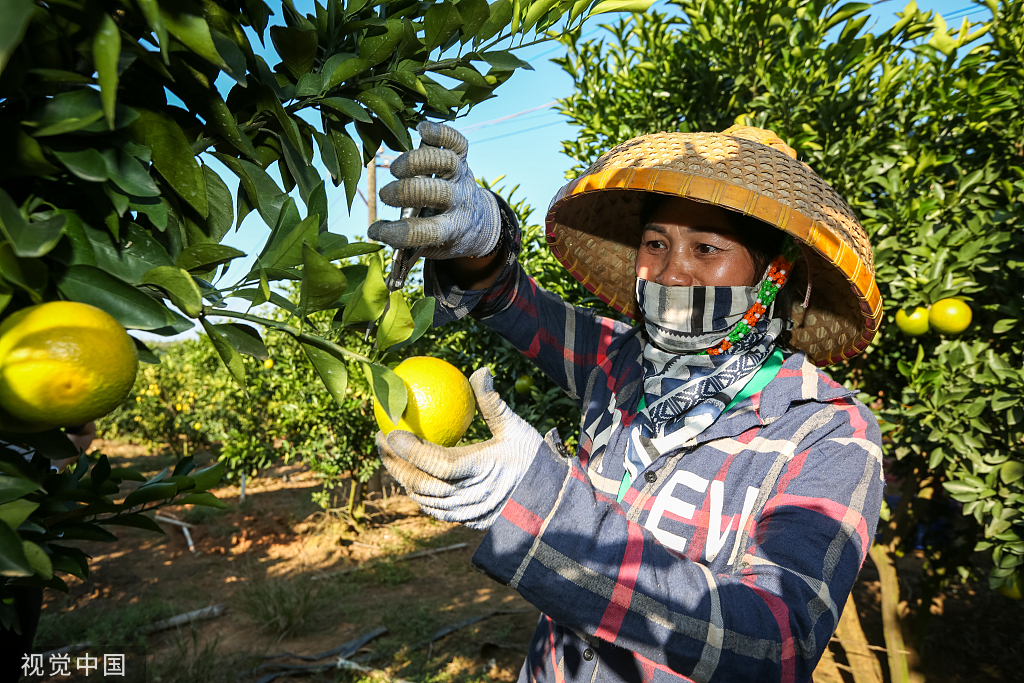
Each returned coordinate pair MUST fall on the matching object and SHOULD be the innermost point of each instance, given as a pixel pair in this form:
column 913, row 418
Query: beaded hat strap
column 778, row 273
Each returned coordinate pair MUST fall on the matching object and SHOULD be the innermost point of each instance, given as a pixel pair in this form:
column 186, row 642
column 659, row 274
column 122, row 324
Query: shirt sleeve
column 573, row 553
column 565, row 342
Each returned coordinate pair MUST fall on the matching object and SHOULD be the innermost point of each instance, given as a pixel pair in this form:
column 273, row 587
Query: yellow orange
column 441, row 403
column 62, row 364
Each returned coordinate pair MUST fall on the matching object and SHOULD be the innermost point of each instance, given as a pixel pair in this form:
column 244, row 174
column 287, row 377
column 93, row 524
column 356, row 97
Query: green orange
column 524, row 384
column 915, row 324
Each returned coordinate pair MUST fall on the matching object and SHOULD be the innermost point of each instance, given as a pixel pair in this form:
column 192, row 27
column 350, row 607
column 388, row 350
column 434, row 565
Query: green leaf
column 85, row 531
column 397, row 325
column 172, row 156
column 286, row 250
column 638, row 6
column 16, row 14
column 12, row 488
column 134, row 520
column 126, row 474
column 38, row 559
column 1004, row 325
column 31, row 275
column 330, row 241
column 347, row 69
column 440, row 23
column 12, row 554
column 378, row 106
column 106, row 50
column 474, row 14
column 204, row 498
column 129, row 263
column 467, row 75
column 232, row 359
column 130, row 307
column 347, row 107
column 208, row 478
column 16, row 512
column 346, row 251
column 245, row 339
column 538, row 8
column 67, row 112
column 377, row 49
column 388, row 388
column 332, row 370
column 231, row 55
column 261, row 189
column 87, row 164
column 150, row 493
column 29, row 240
column 503, row 60
column 423, row 316
column 501, row 16
column 193, row 31
column 221, row 216
column 1011, row 471
column 128, row 174
column 200, row 257
column 369, row 298
column 322, row 282
column 350, row 160
column 297, row 48
column 179, row 286
column 151, row 10
column 304, row 174
column 842, row 14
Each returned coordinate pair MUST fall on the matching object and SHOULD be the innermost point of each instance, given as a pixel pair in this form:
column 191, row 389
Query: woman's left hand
column 467, row 484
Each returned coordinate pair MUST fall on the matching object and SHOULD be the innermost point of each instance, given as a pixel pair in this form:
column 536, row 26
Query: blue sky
column 525, row 149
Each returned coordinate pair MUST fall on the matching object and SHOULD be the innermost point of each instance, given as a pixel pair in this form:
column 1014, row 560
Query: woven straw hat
column 593, row 226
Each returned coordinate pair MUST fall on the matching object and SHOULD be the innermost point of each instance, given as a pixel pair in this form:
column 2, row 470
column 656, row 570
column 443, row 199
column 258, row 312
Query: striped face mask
column 692, row 319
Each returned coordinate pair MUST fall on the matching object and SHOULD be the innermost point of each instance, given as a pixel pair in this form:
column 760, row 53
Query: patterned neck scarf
column 703, row 345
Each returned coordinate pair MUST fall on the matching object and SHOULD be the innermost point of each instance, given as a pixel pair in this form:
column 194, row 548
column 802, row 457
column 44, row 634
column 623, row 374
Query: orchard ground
column 270, row 561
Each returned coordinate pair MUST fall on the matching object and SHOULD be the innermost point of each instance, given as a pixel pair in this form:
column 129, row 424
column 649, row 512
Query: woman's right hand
column 436, row 175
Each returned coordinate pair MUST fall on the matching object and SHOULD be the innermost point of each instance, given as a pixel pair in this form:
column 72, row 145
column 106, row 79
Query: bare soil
column 297, row 580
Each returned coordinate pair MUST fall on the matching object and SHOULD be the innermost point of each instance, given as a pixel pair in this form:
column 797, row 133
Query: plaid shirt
column 662, row 587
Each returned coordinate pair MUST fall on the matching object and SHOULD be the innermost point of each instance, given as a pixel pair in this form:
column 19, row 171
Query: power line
column 501, row 119
column 517, row 132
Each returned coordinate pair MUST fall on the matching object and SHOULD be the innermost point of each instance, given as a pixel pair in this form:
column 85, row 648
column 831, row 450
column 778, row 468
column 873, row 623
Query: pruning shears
column 401, row 265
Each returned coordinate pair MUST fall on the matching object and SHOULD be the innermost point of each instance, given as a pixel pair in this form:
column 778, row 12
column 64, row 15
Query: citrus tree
column 109, row 194
column 190, row 401
column 919, row 128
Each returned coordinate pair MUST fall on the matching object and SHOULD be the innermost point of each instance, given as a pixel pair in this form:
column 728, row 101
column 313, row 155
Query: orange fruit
column 915, row 324
column 524, row 384
column 440, row 406
column 1012, row 591
column 62, row 364
column 949, row 316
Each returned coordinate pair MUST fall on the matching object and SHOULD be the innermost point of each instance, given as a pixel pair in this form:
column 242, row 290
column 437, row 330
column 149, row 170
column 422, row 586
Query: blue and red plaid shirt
column 729, row 559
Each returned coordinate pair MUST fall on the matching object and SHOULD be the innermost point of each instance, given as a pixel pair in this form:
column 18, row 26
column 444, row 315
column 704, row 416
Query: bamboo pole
column 899, row 668
column 864, row 664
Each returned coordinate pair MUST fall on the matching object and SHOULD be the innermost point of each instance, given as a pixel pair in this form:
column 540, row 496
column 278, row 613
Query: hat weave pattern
column 593, row 225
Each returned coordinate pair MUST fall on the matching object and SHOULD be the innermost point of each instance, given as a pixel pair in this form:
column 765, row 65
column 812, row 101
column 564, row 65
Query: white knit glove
column 467, row 484
column 468, row 221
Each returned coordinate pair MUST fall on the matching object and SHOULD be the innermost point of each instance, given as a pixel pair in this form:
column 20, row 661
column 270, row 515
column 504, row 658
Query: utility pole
column 371, row 190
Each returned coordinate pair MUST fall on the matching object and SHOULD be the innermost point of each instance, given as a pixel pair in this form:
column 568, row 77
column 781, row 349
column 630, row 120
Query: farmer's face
column 690, row 244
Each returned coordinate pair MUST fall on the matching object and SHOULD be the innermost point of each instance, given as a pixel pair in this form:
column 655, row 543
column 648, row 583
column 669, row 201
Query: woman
column 724, row 494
